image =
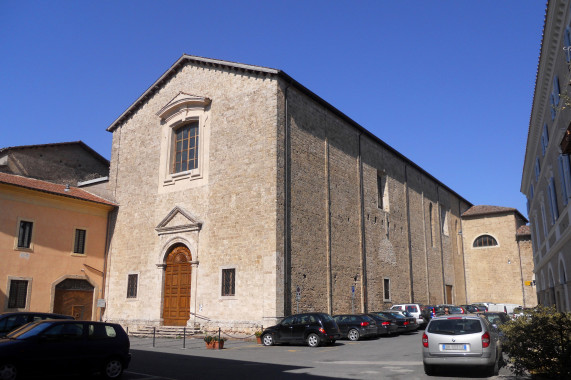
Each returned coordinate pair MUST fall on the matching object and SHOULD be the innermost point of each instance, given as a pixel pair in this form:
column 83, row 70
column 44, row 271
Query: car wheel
column 113, row 368
column 428, row 370
column 313, row 340
column 8, row 371
column 353, row 335
column 267, row 340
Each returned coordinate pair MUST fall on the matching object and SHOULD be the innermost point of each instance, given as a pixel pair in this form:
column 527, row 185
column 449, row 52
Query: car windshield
column 458, row 326
column 326, row 317
column 31, row 329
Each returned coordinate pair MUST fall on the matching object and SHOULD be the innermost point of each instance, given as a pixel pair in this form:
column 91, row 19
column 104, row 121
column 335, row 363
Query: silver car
column 461, row 340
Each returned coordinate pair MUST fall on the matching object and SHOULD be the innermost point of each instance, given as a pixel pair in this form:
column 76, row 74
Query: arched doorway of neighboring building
column 176, row 295
column 74, row 297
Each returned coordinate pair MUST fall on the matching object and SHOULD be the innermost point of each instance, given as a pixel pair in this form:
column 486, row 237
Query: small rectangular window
column 25, row 234
column 387, row 289
column 79, row 245
column 18, row 294
column 382, row 192
column 228, row 282
column 132, row 282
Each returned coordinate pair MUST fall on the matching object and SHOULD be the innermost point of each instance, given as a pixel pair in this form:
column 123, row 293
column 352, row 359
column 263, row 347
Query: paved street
column 385, row 358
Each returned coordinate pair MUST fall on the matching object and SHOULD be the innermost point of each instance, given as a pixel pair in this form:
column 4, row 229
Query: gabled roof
column 80, row 143
column 523, row 231
column 264, row 71
column 481, row 210
column 52, row 188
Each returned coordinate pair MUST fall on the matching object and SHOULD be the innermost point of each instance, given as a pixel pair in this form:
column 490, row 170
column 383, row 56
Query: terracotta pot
column 259, row 339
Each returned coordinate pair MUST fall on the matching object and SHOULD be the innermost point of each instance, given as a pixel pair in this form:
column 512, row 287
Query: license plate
column 455, row 347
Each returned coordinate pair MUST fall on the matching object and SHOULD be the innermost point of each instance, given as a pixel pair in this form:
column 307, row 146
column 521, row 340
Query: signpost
column 298, row 297
column 352, row 299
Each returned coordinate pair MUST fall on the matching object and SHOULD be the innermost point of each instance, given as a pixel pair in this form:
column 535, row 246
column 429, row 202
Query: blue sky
column 449, row 84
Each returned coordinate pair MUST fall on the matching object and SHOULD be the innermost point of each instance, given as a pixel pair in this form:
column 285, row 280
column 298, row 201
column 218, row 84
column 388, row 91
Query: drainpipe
column 364, row 305
column 409, row 247
column 287, row 209
column 520, row 271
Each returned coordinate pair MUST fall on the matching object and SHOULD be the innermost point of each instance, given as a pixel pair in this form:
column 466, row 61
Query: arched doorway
column 176, row 301
column 74, row 297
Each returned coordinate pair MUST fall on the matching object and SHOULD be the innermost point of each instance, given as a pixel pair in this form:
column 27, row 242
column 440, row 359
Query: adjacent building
column 52, row 247
column 498, row 256
column 546, row 179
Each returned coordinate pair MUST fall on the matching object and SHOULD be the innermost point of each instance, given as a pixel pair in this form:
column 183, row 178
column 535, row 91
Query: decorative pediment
column 178, row 220
column 181, row 103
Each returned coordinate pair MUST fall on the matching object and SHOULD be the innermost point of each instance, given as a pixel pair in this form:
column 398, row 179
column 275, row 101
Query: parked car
column 354, row 327
column 62, row 347
column 483, row 306
column 452, row 309
column 401, row 321
column 471, row 308
column 310, row 328
column 414, row 309
column 428, row 312
column 461, row 340
column 496, row 318
column 385, row 326
column 11, row 321
column 411, row 325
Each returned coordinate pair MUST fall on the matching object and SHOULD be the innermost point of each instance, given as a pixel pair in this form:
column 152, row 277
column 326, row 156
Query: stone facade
column 64, row 163
column 309, row 210
column 546, row 179
column 501, row 273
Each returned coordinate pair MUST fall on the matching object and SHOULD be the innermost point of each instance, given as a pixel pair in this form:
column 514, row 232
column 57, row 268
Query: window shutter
column 553, row 201
column 531, row 191
column 567, row 37
column 566, row 175
column 537, row 169
column 564, row 193
column 556, row 90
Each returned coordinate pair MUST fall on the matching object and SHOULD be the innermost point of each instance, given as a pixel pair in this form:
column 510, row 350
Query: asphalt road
column 396, row 357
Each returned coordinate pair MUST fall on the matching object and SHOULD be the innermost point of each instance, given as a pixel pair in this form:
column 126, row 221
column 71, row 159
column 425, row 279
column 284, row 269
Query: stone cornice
column 551, row 47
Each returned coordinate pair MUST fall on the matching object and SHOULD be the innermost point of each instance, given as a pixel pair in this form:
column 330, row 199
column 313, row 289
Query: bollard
column 154, row 329
column 127, row 330
column 218, row 337
column 184, row 337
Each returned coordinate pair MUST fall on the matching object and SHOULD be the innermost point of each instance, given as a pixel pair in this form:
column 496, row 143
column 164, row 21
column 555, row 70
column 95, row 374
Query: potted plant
column 258, row 336
column 218, row 343
column 209, row 340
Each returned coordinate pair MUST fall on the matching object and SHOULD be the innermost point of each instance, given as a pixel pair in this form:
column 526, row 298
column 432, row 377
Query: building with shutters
column 546, row 179
column 52, row 247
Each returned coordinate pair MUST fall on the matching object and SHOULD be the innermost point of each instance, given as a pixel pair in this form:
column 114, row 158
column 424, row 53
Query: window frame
column 382, row 191
column 30, row 239
column 75, row 242
column 27, row 296
column 223, row 282
column 183, row 110
column 386, row 289
column 488, row 236
column 132, row 290
column 193, row 125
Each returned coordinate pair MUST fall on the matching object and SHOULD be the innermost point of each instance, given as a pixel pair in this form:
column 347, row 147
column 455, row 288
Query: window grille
column 228, row 282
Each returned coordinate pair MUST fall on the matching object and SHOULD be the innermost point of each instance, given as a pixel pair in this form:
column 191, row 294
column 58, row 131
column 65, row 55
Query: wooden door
column 176, row 303
column 449, row 294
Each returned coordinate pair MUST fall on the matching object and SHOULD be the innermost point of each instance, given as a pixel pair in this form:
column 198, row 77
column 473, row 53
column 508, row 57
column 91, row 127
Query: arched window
column 485, row 241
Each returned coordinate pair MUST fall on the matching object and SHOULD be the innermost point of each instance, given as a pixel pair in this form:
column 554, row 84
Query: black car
column 385, row 326
column 310, row 328
column 354, row 327
column 61, row 347
column 11, row 321
column 401, row 321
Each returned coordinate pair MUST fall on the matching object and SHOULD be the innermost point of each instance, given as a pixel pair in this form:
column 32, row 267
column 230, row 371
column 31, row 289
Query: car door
column 59, row 349
column 342, row 323
column 285, row 330
column 301, row 323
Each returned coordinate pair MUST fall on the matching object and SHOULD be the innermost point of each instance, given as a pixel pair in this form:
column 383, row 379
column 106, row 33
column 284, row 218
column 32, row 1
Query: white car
column 461, row 340
column 413, row 309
